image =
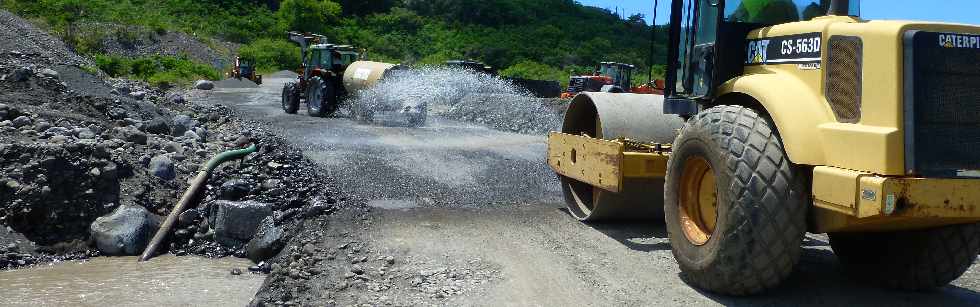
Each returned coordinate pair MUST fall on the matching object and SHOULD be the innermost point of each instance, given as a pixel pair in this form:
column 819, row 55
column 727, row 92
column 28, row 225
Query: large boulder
column 235, row 189
column 183, row 123
column 21, row 74
column 204, row 85
column 124, row 232
column 156, row 126
column 163, row 167
column 8, row 112
column 235, row 222
column 269, row 239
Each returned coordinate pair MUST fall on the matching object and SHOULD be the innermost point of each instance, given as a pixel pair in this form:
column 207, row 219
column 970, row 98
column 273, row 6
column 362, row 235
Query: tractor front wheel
column 321, row 100
column 909, row 260
column 290, row 98
column 734, row 205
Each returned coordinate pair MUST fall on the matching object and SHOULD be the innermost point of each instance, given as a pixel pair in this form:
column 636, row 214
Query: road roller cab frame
column 320, row 81
column 780, row 120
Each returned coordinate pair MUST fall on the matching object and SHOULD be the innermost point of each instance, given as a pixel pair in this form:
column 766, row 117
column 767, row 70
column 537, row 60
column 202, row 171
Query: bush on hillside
column 272, row 54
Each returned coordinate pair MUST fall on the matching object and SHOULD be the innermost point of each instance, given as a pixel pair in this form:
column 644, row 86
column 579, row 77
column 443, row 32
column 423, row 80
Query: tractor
column 245, row 68
column 610, row 77
column 786, row 117
column 330, row 73
column 320, row 82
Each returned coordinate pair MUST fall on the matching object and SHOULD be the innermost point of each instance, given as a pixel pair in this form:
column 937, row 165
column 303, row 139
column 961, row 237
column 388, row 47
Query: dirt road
column 472, row 216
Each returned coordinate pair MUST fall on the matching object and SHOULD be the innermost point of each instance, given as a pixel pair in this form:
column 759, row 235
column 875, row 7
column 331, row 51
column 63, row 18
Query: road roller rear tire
column 290, row 98
column 914, row 260
column 735, row 205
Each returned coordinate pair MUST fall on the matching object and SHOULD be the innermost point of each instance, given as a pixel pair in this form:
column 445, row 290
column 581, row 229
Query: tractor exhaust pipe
column 840, row 8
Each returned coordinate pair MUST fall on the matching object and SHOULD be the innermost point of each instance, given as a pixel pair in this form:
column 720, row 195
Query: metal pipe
column 191, row 195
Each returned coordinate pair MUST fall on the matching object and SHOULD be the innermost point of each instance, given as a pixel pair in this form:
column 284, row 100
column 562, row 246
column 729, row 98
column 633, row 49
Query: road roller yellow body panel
column 782, row 117
column 602, row 163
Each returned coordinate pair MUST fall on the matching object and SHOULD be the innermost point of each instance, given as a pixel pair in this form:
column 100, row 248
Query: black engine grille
column 942, row 103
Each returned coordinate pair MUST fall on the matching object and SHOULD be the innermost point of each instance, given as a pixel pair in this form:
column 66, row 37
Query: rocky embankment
column 92, row 165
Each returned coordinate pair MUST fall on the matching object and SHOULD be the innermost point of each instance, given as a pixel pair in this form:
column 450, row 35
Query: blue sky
column 959, row 11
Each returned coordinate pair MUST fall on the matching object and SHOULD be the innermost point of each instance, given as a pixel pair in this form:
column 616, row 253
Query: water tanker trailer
column 786, row 117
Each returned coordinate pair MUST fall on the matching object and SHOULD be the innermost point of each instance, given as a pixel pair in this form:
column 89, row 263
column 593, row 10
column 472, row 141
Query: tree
column 308, row 15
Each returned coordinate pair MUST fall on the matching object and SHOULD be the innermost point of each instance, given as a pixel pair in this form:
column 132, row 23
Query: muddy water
column 106, row 281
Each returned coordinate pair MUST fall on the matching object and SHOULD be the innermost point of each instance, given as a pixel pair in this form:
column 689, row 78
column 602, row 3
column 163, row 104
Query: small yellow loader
column 782, row 117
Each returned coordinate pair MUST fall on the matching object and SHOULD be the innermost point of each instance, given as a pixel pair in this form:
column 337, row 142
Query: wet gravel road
column 458, row 195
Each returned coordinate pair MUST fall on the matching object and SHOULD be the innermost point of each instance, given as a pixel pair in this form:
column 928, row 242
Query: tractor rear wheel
column 321, row 100
column 909, row 260
column 290, row 98
column 735, row 206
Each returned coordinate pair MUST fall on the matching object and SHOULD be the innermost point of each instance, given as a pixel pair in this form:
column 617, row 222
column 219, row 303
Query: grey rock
column 21, row 121
column 85, row 134
column 132, row 135
column 357, row 269
column 41, row 126
column 202, row 133
column 53, row 131
column 173, row 147
column 183, row 123
column 177, row 99
column 58, row 139
column 156, row 126
column 50, row 73
column 188, row 217
column 124, row 232
column 163, row 167
column 122, row 90
column 190, row 135
column 236, row 222
column 6, row 112
column 118, row 113
column 12, row 248
column 204, row 85
column 269, row 239
column 20, row 75
column 138, row 95
column 235, row 189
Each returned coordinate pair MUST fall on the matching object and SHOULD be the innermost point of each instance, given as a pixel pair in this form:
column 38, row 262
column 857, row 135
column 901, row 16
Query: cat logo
column 757, row 52
column 959, row 41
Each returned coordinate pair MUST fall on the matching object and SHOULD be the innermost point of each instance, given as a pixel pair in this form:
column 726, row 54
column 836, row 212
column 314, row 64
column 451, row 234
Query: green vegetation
column 272, row 54
column 541, row 39
column 161, row 71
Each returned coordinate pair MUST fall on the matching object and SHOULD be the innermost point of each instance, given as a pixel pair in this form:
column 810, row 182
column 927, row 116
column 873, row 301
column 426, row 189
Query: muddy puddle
column 109, row 281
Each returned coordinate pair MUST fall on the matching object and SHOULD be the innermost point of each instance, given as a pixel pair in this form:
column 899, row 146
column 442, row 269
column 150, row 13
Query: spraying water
column 458, row 94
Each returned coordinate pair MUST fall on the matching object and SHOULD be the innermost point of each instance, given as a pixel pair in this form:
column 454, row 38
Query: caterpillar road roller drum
column 365, row 74
column 614, row 116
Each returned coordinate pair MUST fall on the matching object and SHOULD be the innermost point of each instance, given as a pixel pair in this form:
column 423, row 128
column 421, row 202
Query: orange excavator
column 611, row 77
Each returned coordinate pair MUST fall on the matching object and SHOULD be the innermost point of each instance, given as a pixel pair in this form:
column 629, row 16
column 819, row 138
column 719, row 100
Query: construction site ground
column 458, row 214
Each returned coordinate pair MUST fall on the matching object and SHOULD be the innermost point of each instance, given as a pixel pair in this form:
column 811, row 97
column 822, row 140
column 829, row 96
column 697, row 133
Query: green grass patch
column 158, row 70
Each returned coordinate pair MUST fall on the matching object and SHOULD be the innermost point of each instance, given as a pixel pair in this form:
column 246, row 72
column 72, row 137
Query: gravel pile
column 75, row 147
column 136, row 41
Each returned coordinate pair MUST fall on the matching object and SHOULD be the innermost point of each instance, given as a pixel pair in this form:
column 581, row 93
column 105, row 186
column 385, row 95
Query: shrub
column 272, row 54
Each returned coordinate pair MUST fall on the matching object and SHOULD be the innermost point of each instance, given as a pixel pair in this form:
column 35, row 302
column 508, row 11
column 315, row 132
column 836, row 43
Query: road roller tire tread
column 290, row 98
column 914, row 260
column 761, row 211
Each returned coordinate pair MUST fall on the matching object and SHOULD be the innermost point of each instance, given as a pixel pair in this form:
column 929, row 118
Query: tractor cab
column 328, row 58
column 609, row 77
column 619, row 74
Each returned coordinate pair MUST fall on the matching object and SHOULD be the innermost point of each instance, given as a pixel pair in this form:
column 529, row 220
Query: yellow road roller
column 783, row 117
